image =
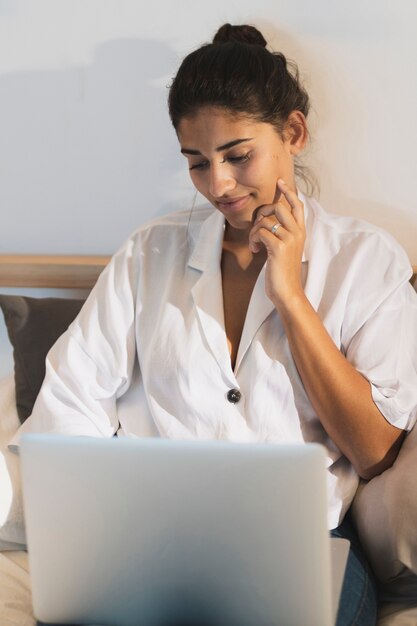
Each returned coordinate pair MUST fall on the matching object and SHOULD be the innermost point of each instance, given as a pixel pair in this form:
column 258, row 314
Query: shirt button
column 234, row 395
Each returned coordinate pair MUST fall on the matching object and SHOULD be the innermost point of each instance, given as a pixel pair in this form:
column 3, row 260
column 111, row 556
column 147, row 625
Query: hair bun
column 242, row 33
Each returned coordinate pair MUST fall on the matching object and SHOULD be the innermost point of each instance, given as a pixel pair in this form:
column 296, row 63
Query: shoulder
column 163, row 240
column 168, row 227
column 354, row 242
column 175, row 221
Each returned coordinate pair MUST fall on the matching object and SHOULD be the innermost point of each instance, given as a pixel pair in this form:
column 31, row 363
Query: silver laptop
column 131, row 532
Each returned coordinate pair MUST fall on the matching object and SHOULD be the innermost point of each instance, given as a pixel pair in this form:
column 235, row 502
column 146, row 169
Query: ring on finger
column 275, row 228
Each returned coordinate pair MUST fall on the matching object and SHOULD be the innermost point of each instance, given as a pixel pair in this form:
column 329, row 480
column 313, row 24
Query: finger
column 277, row 213
column 264, row 238
column 266, row 209
column 264, row 229
column 285, row 217
column 277, row 195
column 272, row 225
column 293, row 200
column 262, row 211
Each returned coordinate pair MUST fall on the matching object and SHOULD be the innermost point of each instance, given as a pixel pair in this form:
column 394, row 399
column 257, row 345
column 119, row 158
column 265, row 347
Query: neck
column 237, row 236
column 236, row 246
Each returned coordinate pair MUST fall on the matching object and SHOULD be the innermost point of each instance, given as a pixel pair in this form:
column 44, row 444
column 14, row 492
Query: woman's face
column 235, row 162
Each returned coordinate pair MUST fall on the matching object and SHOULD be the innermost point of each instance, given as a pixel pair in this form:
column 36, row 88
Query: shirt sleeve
column 380, row 335
column 91, row 364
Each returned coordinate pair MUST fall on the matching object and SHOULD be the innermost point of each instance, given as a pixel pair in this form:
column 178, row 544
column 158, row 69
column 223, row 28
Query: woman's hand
column 284, row 246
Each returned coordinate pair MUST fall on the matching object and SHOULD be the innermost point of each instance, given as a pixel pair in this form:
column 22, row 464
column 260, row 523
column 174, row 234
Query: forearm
column 340, row 395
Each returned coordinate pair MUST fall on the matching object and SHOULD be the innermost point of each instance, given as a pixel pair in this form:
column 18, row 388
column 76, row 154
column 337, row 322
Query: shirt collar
column 208, row 240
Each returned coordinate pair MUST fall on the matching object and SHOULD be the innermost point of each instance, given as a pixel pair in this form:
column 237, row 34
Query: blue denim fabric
column 358, row 604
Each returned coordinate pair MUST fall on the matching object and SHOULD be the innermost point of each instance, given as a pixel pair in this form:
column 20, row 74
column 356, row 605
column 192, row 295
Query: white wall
column 86, row 148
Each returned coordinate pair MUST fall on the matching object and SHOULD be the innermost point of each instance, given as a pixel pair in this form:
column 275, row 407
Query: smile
column 232, row 204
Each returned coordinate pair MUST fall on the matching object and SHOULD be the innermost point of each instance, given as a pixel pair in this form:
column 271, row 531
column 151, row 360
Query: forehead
column 210, row 127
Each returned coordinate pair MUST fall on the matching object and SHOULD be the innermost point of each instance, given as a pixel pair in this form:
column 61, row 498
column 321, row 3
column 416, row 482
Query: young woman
column 263, row 319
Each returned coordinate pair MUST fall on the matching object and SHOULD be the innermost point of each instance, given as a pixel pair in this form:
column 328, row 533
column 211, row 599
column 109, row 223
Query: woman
column 259, row 321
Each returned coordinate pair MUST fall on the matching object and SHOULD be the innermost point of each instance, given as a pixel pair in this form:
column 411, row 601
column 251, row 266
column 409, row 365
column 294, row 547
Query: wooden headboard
column 58, row 272
column 66, row 272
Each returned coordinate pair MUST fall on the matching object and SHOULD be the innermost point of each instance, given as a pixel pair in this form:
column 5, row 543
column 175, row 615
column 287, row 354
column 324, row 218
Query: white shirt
column 159, row 304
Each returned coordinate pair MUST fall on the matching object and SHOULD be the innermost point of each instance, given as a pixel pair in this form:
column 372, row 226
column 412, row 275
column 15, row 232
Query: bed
column 385, row 509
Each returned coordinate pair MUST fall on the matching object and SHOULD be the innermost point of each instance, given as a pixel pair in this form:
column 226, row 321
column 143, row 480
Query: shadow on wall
column 88, row 153
column 83, row 150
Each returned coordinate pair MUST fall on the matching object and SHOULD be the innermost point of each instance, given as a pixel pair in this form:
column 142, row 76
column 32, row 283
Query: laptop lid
column 130, row 531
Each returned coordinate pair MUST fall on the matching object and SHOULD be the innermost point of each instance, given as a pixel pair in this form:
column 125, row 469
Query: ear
column 296, row 132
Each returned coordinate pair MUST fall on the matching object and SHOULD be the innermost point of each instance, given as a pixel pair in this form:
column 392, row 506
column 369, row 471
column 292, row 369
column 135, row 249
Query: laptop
column 154, row 532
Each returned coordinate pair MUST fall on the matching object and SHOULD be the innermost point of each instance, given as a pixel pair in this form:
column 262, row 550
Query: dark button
column 234, row 395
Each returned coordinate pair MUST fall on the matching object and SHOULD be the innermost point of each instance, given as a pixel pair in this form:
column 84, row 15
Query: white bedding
column 15, row 594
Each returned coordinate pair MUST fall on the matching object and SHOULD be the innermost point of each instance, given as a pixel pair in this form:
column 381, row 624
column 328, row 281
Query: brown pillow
column 33, row 326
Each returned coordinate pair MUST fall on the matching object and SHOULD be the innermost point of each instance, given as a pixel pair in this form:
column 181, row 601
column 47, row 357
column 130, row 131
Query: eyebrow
column 225, row 146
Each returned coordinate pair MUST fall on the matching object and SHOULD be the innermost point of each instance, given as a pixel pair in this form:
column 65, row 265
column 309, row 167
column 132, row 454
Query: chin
column 243, row 217
column 241, row 222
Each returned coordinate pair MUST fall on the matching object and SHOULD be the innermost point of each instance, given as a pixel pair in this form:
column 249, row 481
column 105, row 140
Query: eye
column 199, row 166
column 239, row 159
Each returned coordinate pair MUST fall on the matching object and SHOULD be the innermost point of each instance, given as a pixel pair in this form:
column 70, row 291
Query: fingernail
column 281, row 181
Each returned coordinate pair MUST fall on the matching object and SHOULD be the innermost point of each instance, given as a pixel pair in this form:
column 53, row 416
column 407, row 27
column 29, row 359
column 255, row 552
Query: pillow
column 12, row 531
column 385, row 514
column 33, row 326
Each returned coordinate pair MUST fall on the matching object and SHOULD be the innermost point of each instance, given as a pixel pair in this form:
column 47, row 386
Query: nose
column 221, row 181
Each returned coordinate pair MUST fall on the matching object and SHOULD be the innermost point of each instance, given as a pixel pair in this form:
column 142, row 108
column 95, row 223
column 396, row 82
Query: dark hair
column 236, row 72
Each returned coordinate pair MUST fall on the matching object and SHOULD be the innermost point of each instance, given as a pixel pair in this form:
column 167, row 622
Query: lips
column 233, row 204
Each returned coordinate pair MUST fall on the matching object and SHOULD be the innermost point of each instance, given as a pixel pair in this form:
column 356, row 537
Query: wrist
column 292, row 304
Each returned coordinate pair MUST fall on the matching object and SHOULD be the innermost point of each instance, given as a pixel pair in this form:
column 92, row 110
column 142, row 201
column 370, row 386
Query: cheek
column 267, row 166
column 253, row 175
column 262, row 176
